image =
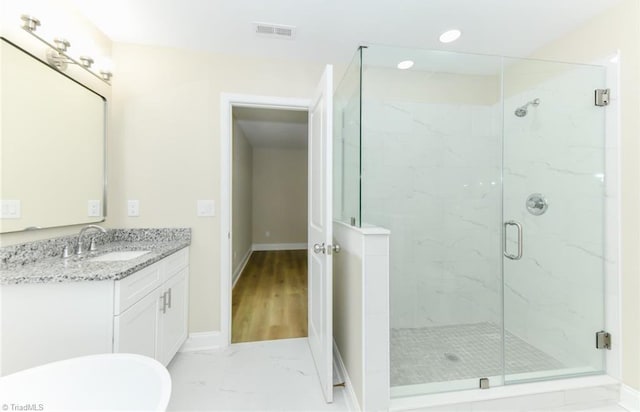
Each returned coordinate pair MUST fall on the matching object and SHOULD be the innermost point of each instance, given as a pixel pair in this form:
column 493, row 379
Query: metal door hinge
column 484, row 383
column 603, row 340
column 602, row 97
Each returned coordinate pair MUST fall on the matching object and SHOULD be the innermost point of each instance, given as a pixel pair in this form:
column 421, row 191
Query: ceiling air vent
column 279, row 31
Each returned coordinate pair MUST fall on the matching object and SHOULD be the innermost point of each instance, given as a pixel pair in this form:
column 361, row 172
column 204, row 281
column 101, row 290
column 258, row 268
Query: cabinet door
column 135, row 329
column 173, row 322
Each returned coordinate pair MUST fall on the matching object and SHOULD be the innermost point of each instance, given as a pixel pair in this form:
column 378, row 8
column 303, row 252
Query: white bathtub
column 114, row 381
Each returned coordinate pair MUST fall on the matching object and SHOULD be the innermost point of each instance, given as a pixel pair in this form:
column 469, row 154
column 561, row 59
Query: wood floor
column 270, row 298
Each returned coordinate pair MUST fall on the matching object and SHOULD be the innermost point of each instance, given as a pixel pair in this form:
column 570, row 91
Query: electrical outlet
column 10, row 209
column 206, row 208
column 93, row 208
column 133, row 208
column 267, row 233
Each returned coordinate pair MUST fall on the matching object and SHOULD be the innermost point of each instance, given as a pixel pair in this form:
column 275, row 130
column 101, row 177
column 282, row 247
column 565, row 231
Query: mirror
column 52, row 146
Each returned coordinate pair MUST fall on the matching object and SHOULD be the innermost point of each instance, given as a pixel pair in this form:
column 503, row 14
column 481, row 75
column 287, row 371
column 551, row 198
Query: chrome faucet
column 80, row 249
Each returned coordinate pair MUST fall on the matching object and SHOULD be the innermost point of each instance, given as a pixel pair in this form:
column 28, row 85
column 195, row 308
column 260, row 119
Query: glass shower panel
column 431, row 173
column 346, row 145
column 554, row 188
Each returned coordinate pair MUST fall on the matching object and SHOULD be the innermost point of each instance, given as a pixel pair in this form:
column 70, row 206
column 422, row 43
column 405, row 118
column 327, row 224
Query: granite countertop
column 55, row 269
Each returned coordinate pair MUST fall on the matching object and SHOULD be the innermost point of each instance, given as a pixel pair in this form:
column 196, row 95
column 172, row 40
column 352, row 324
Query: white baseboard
column 238, row 272
column 203, row 341
column 352, row 399
column 629, row 398
column 279, row 246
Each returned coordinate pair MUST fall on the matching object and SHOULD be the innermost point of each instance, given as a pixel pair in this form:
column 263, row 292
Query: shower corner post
column 358, row 219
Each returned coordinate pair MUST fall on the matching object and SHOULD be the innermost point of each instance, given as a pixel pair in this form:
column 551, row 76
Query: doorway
column 320, row 218
column 269, row 223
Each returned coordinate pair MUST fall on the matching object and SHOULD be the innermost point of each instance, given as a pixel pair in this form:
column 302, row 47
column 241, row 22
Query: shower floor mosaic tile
column 444, row 353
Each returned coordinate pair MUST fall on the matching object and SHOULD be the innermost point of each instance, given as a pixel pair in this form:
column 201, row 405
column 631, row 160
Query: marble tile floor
column 276, row 375
column 280, row 376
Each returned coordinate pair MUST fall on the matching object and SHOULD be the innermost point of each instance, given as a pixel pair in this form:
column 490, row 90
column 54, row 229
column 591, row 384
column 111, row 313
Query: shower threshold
column 542, row 395
column 496, row 381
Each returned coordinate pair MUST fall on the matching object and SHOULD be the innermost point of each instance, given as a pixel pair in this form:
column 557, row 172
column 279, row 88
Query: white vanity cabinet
column 143, row 313
column 150, row 309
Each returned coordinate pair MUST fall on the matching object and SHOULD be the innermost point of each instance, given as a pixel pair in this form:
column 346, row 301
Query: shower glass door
column 431, row 174
column 554, row 183
column 489, row 172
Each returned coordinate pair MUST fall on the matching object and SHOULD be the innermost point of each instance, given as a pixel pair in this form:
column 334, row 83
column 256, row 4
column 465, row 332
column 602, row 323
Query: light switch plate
column 10, row 209
column 93, row 208
column 206, row 208
column 133, row 208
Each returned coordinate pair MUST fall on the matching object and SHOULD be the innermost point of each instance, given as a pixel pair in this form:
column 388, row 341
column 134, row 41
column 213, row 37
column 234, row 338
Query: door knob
column 319, row 248
column 336, row 248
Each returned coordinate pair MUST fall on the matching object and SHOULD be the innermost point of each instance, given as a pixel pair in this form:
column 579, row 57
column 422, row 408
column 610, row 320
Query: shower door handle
column 504, row 240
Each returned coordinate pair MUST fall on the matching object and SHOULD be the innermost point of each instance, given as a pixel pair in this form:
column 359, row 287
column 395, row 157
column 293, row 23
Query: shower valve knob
column 537, row 204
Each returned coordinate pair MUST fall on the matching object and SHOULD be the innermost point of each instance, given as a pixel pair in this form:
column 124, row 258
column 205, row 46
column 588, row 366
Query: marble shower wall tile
column 431, row 175
column 554, row 295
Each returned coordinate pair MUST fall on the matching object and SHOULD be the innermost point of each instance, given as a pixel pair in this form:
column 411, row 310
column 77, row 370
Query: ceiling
column 329, row 31
column 273, row 128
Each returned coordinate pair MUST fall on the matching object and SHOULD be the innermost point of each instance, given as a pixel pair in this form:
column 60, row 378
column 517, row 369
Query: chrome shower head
column 522, row 110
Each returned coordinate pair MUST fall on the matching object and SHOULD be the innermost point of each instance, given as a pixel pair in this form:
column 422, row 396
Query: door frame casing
column 227, row 102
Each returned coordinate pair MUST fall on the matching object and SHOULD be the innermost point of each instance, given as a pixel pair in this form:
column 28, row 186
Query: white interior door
column 320, row 281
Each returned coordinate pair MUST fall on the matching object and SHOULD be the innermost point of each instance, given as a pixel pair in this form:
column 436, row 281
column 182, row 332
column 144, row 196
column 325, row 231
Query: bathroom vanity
column 150, row 309
column 130, row 296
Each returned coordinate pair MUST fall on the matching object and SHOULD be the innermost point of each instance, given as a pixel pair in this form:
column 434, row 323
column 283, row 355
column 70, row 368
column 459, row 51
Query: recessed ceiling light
column 450, row 36
column 405, row 64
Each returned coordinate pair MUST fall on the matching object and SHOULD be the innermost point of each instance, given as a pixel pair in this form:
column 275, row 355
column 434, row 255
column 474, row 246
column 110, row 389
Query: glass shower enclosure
column 489, row 173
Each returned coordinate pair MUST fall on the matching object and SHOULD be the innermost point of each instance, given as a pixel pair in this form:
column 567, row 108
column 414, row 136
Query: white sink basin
column 113, row 381
column 122, row 255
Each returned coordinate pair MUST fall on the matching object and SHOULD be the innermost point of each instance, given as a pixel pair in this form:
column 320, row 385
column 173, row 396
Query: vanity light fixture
column 29, row 23
column 106, row 75
column 57, row 56
column 450, row 36
column 86, row 61
column 62, row 45
column 405, row 64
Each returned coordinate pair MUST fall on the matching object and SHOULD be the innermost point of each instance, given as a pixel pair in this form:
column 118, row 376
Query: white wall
column 279, row 195
column 361, row 311
column 348, row 306
column 242, row 199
